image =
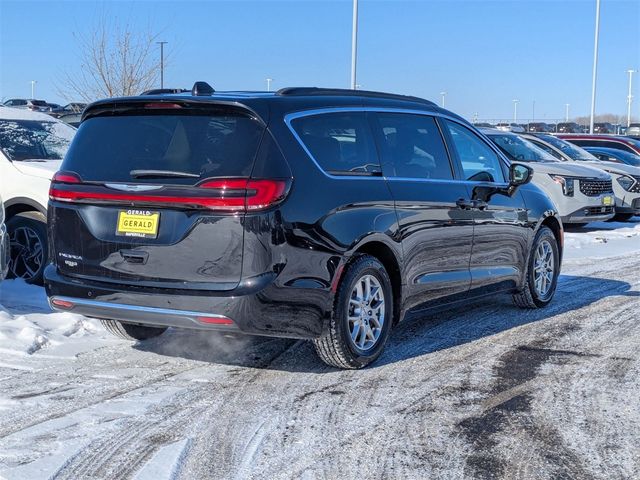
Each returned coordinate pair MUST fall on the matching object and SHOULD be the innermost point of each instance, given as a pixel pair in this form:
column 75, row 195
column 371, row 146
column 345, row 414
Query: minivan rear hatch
column 154, row 194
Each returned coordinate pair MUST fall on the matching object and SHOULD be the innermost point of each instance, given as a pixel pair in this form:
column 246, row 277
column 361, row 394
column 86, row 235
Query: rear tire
column 28, row 246
column 537, row 293
column 362, row 316
column 129, row 331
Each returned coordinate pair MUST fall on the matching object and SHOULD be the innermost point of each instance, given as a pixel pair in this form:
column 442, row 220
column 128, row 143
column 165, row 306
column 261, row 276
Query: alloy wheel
column 366, row 312
column 543, row 268
column 26, row 253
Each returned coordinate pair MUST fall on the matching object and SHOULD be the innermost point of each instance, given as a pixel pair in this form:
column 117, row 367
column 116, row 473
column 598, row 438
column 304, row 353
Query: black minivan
column 308, row 213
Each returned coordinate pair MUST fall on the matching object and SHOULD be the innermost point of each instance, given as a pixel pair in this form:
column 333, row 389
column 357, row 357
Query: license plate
column 608, row 201
column 138, row 223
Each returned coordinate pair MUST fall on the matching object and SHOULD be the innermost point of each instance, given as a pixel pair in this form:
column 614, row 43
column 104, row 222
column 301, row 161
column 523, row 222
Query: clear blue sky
column 483, row 53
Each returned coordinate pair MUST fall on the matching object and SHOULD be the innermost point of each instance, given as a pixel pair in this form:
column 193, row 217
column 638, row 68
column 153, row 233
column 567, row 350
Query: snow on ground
column 42, row 332
column 486, row 391
column 602, row 239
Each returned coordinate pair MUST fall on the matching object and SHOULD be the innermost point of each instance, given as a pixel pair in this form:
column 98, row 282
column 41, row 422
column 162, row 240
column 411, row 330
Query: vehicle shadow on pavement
column 421, row 333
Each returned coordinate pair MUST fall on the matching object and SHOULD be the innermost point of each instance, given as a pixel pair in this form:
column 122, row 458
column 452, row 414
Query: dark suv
column 306, row 213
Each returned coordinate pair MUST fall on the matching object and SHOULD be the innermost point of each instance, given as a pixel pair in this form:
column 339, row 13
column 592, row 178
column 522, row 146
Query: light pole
column 354, row 44
column 566, row 112
column 629, row 96
column 33, row 88
column 595, row 68
column 533, row 112
column 269, row 80
column 515, row 110
column 443, row 94
column 162, row 44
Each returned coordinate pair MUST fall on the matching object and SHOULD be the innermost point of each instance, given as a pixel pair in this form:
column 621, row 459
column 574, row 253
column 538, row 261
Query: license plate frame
column 138, row 223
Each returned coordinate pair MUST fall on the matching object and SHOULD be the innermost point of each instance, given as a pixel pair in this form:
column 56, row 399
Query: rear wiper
column 161, row 174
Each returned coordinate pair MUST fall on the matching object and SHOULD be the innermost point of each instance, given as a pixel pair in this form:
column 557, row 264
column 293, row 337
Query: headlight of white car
column 626, row 182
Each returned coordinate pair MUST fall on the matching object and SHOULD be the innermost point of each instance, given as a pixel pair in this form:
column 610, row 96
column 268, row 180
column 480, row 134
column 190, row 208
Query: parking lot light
column 595, row 68
column 515, row 110
column 629, row 96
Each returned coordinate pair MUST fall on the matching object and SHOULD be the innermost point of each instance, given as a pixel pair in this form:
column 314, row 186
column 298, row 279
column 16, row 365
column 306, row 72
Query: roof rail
column 309, row 91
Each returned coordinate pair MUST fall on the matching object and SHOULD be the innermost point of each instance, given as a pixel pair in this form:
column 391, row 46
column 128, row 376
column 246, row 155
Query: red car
column 618, row 142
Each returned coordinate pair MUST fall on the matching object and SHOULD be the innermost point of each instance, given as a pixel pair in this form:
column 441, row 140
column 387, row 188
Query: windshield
column 34, row 139
column 517, row 148
column 569, row 149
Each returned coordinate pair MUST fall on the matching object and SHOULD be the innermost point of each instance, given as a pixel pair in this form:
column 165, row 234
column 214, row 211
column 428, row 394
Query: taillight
column 66, row 177
column 247, row 194
column 227, row 194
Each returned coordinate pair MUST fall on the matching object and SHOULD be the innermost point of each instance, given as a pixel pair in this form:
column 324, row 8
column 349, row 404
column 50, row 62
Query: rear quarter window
column 341, row 143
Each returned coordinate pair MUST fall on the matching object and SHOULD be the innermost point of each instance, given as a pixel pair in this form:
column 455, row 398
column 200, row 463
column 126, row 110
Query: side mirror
column 519, row 174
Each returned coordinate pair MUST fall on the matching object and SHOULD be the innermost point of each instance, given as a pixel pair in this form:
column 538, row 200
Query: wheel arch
column 555, row 225
column 18, row 205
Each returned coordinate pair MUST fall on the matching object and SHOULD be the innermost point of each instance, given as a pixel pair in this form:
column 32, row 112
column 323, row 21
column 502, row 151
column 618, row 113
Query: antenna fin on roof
column 202, row 89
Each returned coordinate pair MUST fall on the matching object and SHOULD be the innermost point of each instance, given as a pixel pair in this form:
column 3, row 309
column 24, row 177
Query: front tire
column 28, row 246
column 362, row 316
column 129, row 331
column 543, row 269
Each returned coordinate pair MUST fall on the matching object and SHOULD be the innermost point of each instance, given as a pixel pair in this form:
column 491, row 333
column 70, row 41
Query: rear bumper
column 143, row 315
column 267, row 309
column 4, row 251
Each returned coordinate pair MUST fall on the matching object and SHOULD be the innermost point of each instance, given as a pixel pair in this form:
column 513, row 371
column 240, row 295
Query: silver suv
column 582, row 193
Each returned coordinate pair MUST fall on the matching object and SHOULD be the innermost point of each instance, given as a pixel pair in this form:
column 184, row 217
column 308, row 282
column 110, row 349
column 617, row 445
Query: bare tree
column 115, row 60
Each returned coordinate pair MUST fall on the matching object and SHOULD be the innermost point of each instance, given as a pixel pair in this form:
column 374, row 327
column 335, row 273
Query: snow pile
column 39, row 330
column 603, row 239
column 27, row 334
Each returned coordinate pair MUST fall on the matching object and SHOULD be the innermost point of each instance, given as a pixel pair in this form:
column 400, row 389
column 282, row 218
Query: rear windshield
column 39, row 103
column 35, row 140
column 207, row 145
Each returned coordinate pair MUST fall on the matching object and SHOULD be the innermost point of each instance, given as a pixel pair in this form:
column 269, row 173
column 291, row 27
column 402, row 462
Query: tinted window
column 208, row 145
column 34, row 140
column 340, row 142
column 412, row 147
column 569, row 149
column 479, row 162
column 517, row 148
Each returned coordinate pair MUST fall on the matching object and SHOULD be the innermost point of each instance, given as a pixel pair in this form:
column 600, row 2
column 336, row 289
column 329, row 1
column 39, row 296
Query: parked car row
column 564, row 127
column 309, row 213
column 69, row 113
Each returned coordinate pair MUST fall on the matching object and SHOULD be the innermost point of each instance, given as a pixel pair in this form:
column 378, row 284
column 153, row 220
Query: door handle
column 465, row 204
column 471, row 204
column 480, row 204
